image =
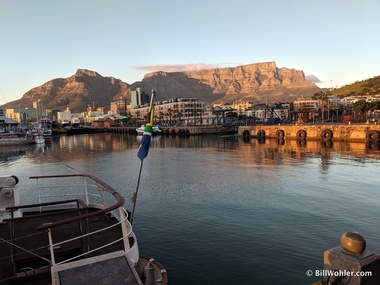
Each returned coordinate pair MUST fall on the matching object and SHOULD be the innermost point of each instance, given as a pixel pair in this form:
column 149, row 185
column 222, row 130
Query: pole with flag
column 144, row 149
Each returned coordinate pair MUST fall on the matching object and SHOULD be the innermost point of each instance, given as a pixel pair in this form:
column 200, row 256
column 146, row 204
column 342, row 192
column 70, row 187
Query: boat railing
column 87, row 235
column 91, row 189
column 85, row 190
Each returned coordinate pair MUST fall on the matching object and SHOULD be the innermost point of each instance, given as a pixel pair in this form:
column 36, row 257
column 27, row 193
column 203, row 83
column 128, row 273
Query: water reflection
column 80, row 147
column 238, row 196
column 12, row 152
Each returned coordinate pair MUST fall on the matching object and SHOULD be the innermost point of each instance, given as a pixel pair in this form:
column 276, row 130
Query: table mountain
column 253, row 82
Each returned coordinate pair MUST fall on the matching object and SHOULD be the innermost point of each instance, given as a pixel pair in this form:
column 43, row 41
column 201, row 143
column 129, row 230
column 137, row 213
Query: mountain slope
column 253, row 82
column 84, row 88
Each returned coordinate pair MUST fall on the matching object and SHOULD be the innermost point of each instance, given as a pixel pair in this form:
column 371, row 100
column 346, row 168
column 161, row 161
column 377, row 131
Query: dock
column 369, row 133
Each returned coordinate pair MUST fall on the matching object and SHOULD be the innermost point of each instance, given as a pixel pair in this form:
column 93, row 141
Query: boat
column 65, row 123
column 75, row 122
column 47, row 134
column 38, row 138
column 155, row 130
column 76, row 232
column 14, row 139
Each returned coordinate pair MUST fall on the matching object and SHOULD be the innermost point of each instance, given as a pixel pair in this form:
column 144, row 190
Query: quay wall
column 330, row 132
column 182, row 130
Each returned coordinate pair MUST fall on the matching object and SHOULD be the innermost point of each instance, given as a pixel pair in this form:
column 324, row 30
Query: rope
column 26, row 236
column 28, row 251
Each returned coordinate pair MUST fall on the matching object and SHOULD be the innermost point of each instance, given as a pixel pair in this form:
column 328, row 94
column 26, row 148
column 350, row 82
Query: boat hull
column 156, row 131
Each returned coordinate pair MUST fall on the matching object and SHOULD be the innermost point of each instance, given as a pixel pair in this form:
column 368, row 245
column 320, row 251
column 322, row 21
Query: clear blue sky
column 338, row 41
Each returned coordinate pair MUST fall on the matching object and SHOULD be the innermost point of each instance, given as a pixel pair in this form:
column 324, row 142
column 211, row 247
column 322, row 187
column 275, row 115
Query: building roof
column 6, row 121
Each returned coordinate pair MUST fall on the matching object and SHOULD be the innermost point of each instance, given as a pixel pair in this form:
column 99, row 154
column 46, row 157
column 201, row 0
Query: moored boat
column 47, row 134
column 155, row 130
column 78, row 232
column 38, row 139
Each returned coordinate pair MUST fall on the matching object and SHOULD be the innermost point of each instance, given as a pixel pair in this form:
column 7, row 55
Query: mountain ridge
column 252, row 82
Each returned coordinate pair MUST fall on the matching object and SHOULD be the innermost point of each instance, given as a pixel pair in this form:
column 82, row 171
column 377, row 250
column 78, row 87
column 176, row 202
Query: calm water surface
column 218, row 210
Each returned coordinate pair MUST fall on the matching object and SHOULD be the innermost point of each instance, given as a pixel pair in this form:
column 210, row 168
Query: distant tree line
column 363, row 107
column 371, row 86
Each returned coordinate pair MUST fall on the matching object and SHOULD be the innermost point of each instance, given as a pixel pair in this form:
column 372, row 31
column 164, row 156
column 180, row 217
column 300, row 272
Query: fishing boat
column 14, row 139
column 155, row 130
column 77, row 232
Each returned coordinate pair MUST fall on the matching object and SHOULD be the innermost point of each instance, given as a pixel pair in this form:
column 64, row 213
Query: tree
column 323, row 97
column 361, row 107
column 170, row 113
column 137, row 116
column 180, row 115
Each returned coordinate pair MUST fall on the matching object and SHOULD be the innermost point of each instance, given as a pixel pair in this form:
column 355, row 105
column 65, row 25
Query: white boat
column 155, row 130
column 38, row 139
column 77, row 233
column 75, row 122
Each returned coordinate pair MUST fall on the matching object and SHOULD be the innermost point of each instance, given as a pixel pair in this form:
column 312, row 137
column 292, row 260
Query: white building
column 187, row 111
column 91, row 116
column 64, row 117
column 306, row 104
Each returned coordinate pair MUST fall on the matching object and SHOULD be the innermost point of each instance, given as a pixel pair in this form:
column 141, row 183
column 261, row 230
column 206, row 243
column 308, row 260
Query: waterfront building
column 64, row 117
column 306, row 105
column 262, row 112
column 334, row 102
column 119, row 107
column 187, row 111
column 7, row 125
column 39, row 108
column 242, row 108
column 139, row 97
column 92, row 116
column 372, row 99
column 22, row 115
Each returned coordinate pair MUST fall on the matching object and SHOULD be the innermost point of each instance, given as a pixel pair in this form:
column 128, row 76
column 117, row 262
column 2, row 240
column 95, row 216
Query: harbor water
column 222, row 210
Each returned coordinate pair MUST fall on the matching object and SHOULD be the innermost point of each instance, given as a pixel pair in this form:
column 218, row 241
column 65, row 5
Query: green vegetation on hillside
column 369, row 86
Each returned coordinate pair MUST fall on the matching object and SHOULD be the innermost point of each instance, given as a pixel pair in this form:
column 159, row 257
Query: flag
column 145, row 140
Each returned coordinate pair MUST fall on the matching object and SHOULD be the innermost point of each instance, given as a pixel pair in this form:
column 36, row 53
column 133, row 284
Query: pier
column 324, row 132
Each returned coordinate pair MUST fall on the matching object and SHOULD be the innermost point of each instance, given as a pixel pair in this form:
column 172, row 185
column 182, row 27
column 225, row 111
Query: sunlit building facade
column 172, row 111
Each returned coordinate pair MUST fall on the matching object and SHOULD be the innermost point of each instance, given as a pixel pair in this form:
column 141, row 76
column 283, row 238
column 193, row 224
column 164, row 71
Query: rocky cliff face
column 253, row 82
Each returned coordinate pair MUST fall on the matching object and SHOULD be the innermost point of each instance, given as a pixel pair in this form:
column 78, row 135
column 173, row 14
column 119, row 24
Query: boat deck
column 31, row 253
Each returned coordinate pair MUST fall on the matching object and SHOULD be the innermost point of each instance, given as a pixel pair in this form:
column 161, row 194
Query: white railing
column 94, row 193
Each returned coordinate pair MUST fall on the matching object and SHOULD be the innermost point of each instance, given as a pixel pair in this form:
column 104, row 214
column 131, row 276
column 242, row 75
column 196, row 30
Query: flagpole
column 145, row 141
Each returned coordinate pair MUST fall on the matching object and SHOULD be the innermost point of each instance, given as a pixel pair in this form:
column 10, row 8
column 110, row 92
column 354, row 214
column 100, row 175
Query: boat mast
column 145, row 141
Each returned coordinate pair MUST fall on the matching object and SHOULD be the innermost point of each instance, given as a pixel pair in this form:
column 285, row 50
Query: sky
column 335, row 42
